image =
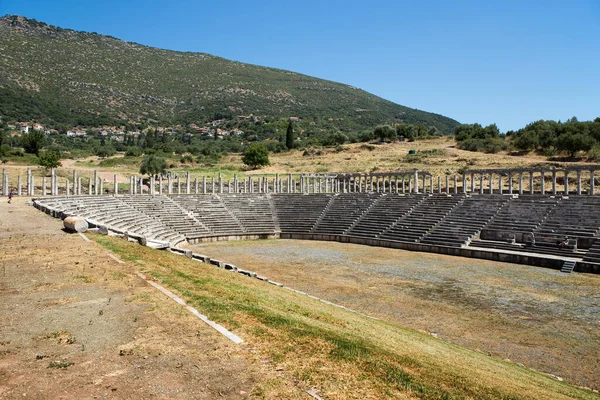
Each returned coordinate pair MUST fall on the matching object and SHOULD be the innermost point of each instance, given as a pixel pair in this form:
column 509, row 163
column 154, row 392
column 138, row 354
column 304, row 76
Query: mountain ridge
column 97, row 78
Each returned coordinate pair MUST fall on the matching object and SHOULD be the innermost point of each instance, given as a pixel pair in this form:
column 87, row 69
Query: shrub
column 256, row 155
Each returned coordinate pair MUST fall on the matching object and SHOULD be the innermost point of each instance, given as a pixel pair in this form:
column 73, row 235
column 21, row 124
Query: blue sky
column 505, row 62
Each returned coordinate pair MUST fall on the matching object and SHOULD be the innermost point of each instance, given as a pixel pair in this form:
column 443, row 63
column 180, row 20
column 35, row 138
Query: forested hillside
column 62, row 77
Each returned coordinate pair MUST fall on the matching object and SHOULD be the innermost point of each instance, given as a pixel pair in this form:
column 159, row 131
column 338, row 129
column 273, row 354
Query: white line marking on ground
column 117, row 259
column 85, row 237
column 234, row 338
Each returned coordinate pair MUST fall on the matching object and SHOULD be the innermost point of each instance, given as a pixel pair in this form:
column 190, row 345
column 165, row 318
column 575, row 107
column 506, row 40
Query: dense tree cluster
column 475, row 137
column 551, row 137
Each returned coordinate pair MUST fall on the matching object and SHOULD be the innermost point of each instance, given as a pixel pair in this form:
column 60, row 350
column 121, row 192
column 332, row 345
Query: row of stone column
column 516, row 178
column 510, row 182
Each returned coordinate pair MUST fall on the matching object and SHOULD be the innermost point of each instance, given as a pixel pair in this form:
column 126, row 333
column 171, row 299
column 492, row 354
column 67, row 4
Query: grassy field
column 342, row 354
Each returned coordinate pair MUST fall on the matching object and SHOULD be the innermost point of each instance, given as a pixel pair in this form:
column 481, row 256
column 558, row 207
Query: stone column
column 491, row 182
column 96, row 182
column 169, row 184
column 141, row 187
column 510, row 183
column 212, row 182
column 520, row 182
column 543, row 189
column 396, row 182
column 52, row 182
column 160, row 184
column 75, row 183
column 554, row 181
column 464, row 183
column 592, row 182
column 500, row 183
column 79, row 185
column 424, row 186
column 531, row 191
column 196, row 185
column 403, row 185
column 377, row 185
column 220, row 183
column 416, row 188
column 447, row 191
column 430, row 183
column 32, row 185
column 152, row 186
column 579, row 182
column 472, row 183
column 44, row 185
column 187, row 183
column 89, row 185
column 480, row 183
column 4, row 185
column 236, row 185
column 455, row 185
column 439, row 185
column 19, row 184
column 204, row 184
column 566, row 182
column 251, row 184
column 29, row 191
column 178, row 184
column 116, row 189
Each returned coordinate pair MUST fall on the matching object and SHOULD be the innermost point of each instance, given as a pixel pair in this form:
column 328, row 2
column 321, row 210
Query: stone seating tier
column 465, row 221
column 593, row 254
column 343, row 211
column 416, row 223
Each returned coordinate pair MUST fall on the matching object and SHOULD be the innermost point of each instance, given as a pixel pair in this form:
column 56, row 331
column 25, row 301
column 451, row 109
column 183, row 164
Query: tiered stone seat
column 577, row 216
column 343, row 211
column 169, row 213
column 523, row 214
column 415, row 224
column 252, row 210
column 298, row 213
column 116, row 215
column 593, row 254
column 465, row 221
column 384, row 212
column 211, row 211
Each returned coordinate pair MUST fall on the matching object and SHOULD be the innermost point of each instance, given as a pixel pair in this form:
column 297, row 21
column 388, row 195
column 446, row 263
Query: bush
column 256, row 155
column 153, row 165
column 133, row 152
column 49, row 159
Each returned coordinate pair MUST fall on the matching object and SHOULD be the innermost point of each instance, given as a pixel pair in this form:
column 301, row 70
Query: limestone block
column 75, row 224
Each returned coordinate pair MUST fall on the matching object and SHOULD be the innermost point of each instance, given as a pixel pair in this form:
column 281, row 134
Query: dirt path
column 76, row 324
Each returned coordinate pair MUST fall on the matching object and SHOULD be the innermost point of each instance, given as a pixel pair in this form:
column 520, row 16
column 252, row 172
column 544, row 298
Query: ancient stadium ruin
column 491, row 214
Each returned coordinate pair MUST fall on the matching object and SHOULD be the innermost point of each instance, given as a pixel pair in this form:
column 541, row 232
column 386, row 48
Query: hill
column 60, row 76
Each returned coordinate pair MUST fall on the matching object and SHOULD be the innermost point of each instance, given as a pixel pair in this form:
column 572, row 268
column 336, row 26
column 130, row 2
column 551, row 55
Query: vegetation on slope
column 60, row 76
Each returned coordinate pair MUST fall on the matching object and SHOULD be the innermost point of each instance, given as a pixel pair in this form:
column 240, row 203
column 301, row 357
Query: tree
column 256, row 155
column 49, row 159
column 289, row 136
column 574, row 143
column 526, row 141
column 33, row 142
column 153, row 165
column 385, row 132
